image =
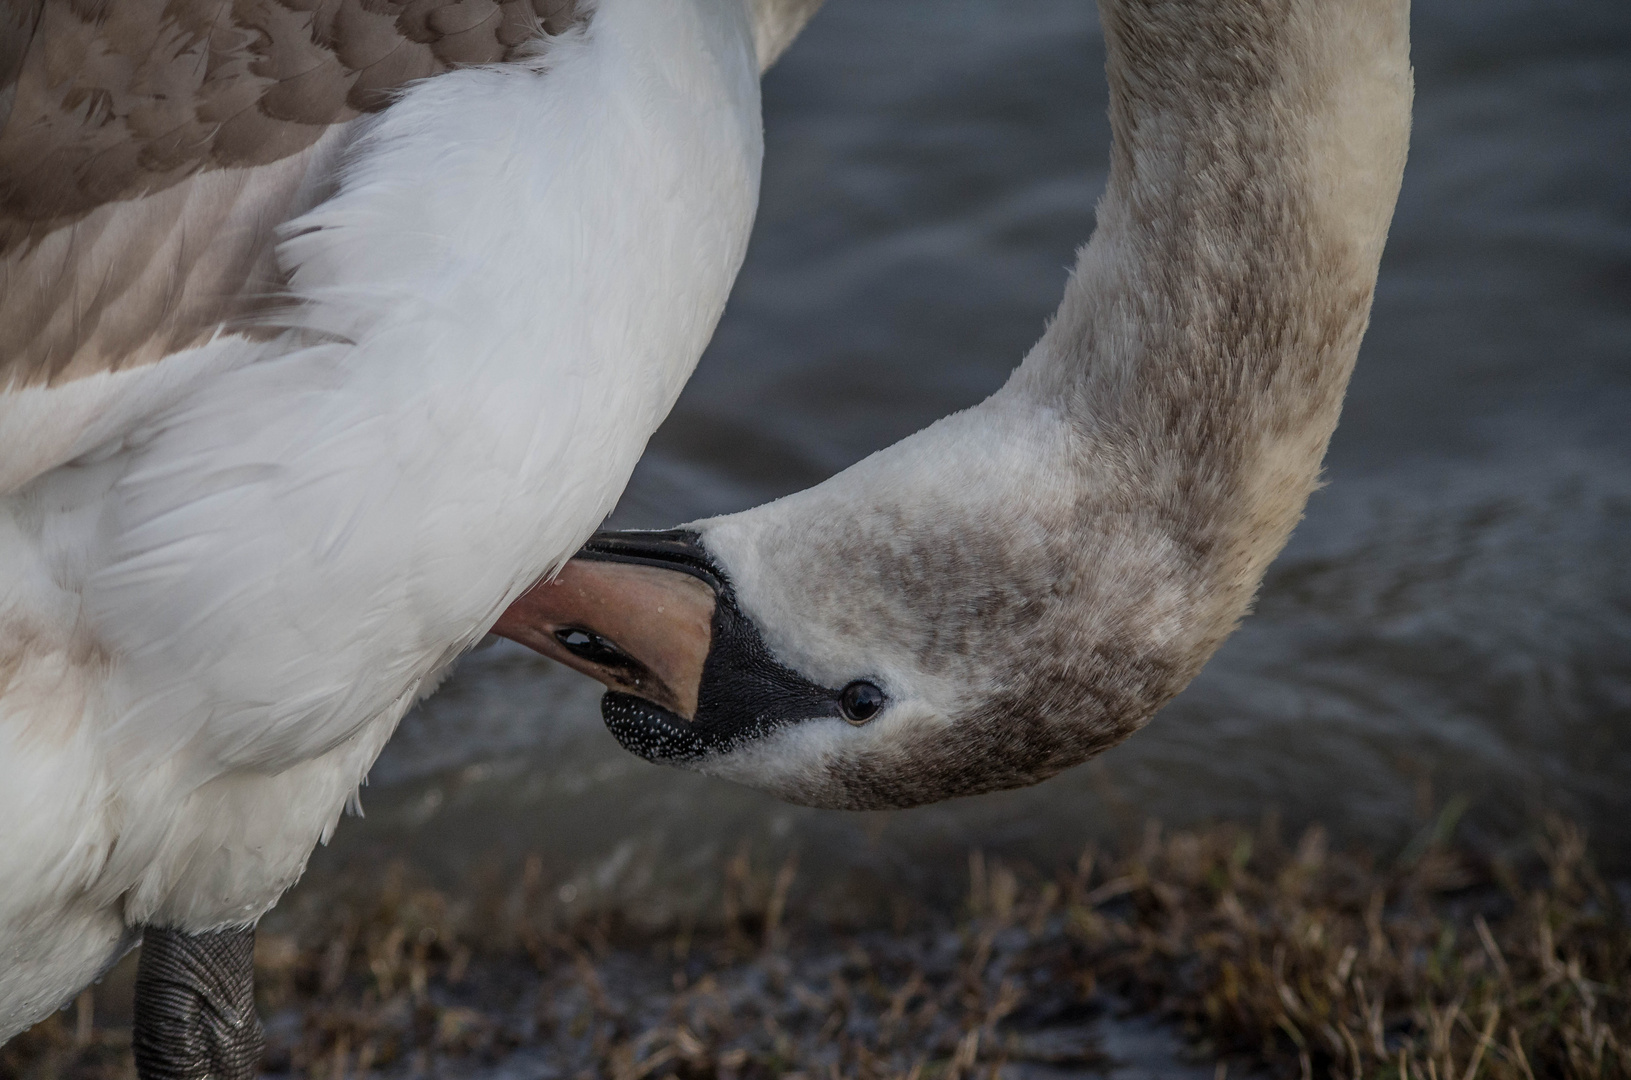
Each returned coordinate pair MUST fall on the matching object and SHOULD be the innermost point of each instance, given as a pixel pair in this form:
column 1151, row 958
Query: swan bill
column 653, row 617
column 637, row 628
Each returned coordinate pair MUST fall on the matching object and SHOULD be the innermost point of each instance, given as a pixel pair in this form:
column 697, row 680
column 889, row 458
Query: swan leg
column 195, row 1006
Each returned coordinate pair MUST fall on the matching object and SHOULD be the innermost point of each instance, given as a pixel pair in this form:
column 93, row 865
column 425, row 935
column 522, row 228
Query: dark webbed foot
column 195, row 1006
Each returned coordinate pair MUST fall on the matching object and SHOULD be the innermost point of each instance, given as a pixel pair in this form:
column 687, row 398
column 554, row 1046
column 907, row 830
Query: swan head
column 933, row 622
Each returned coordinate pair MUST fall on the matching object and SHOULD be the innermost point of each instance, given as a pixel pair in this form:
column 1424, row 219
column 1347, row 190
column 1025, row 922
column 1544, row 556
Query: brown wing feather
column 151, row 146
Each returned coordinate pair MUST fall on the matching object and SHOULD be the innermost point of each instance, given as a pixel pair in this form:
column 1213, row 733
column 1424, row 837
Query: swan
column 325, row 332
column 1020, row 586
column 994, row 599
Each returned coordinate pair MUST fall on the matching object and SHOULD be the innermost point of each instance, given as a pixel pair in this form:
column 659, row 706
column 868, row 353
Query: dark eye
column 594, row 648
column 860, row 702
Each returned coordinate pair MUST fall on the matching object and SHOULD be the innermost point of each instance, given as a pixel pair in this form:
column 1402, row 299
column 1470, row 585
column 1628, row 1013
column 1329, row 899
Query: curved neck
column 1107, row 516
column 1026, row 582
column 1206, row 338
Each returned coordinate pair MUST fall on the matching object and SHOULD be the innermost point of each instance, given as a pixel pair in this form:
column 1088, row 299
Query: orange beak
column 637, row 628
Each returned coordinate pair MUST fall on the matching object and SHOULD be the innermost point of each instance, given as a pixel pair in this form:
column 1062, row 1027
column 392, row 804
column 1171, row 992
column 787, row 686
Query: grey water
column 1450, row 626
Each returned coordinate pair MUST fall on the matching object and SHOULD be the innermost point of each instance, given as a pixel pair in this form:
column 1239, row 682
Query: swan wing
column 149, row 150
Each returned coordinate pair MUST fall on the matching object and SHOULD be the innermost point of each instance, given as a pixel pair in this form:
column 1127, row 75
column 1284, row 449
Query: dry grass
column 1442, row 965
column 1445, row 966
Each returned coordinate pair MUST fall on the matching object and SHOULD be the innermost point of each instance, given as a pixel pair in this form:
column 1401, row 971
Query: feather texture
column 210, row 626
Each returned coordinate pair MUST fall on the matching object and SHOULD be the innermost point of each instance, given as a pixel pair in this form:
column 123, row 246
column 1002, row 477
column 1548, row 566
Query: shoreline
column 1226, row 950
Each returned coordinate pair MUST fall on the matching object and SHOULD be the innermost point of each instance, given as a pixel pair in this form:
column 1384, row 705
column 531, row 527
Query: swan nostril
column 591, row 647
column 860, row 702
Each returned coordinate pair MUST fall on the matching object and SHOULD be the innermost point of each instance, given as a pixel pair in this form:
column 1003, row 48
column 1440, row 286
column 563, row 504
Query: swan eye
column 595, row 649
column 860, row 702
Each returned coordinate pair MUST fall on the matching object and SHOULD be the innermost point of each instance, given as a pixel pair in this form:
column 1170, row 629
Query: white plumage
column 269, row 547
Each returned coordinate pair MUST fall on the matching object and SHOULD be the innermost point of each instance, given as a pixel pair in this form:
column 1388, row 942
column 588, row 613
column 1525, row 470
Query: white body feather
column 210, row 625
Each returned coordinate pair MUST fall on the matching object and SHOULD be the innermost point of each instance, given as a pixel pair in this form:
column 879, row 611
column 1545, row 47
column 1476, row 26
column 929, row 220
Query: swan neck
column 1030, row 580
column 1258, row 150
column 1201, row 352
